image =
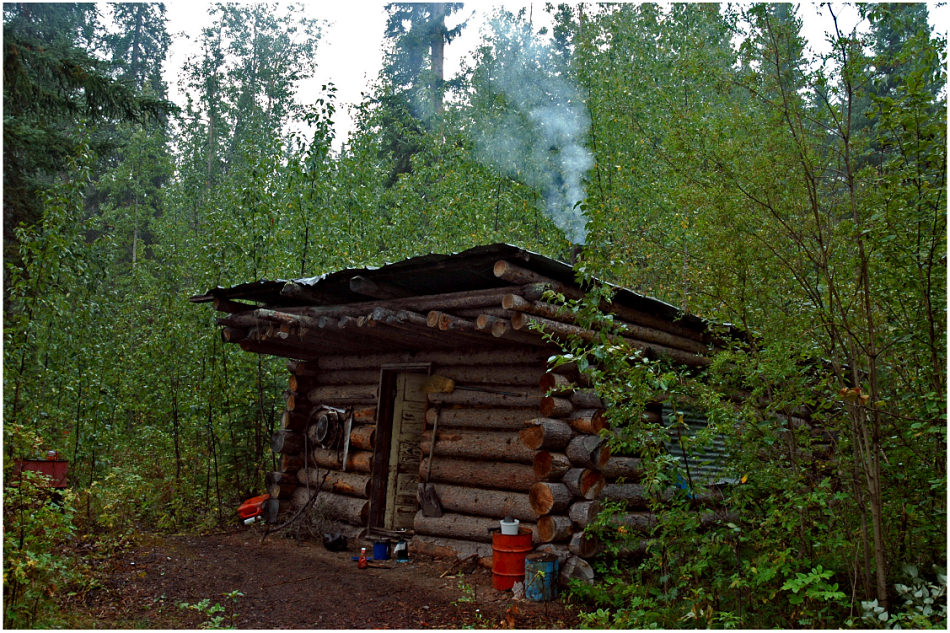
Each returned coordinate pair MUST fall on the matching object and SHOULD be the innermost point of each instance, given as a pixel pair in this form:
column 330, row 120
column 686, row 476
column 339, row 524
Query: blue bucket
column 381, row 550
column 540, row 577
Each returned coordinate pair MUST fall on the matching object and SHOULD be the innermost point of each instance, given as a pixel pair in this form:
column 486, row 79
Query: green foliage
column 218, row 617
column 38, row 529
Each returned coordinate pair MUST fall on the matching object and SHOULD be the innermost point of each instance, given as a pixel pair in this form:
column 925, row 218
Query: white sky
column 350, row 53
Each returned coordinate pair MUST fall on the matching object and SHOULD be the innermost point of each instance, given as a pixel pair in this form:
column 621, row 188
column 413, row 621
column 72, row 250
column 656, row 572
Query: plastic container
column 509, row 528
column 402, row 552
column 540, row 577
column 253, row 507
column 508, row 554
column 381, row 550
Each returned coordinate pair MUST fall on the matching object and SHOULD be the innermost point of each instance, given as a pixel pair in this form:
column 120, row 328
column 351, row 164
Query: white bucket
column 509, row 527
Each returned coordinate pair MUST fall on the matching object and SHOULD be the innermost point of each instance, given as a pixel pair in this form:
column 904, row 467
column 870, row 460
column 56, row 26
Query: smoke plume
column 539, row 137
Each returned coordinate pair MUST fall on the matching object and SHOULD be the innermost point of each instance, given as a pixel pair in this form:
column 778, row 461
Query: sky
column 350, row 50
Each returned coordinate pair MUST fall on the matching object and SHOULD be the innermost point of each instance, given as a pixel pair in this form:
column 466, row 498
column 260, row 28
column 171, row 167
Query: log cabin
column 432, row 374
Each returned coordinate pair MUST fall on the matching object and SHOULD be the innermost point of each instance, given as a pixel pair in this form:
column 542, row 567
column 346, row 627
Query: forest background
column 701, row 154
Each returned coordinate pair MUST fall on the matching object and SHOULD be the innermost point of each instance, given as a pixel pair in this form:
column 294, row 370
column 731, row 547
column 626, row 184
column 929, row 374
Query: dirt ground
column 291, row 585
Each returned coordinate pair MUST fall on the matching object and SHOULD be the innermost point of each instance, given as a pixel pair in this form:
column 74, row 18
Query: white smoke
column 540, row 137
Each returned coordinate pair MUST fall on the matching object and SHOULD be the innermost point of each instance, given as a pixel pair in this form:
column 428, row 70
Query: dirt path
column 286, row 585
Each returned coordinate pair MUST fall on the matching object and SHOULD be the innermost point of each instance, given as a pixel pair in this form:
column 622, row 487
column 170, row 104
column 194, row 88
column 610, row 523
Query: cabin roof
column 471, row 269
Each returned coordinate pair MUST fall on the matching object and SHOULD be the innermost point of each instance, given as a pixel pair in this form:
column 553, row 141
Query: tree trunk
column 583, row 512
column 487, row 419
column 484, row 502
column 576, row 568
column 589, row 421
column 589, row 451
column 583, row 482
column 519, row 375
column 549, row 465
column 284, row 441
column 461, row 526
column 486, row 399
column 546, row 433
column 553, row 384
column 491, row 446
column 358, row 461
column 553, row 407
column 631, row 494
column 344, row 483
column 554, row 527
column 626, row 467
column 498, row 475
column 350, row 510
column 587, row 399
column 343, row 394
column 584, row 545
column 546, row 497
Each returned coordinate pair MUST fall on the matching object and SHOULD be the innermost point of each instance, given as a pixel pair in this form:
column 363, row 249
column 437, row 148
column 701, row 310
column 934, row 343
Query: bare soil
column 288, row 584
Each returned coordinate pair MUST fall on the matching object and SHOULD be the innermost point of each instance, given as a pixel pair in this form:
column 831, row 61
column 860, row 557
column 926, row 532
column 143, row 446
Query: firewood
column 588, row 451
column 548, row 465
column 546, row 497
column 552, row 407
column 584, row 482
column 488, row 419
column 461, row 526
column 500, row 475
column 639, row 522
column 583, row 512
column 546, row 433
column 554, row 527
column 503, row 446
column 485, row 502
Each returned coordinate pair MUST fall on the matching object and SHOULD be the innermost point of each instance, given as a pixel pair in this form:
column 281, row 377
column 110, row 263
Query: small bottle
column 361, row 563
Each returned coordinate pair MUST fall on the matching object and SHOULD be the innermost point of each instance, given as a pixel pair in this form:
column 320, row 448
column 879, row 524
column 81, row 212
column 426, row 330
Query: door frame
column 384, row 435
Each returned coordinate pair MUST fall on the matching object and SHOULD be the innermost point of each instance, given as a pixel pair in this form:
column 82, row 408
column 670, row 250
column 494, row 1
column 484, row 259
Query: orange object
column 253, row 507
column 362, row 563
column 508, row 554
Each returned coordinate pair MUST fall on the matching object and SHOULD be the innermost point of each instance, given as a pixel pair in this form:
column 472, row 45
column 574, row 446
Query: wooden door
column 402, row 480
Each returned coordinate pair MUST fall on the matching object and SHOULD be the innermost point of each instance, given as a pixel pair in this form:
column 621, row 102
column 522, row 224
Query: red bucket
column 508, row 554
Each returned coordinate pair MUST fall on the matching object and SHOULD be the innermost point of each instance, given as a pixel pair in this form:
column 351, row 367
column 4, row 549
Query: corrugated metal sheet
column 707, row 464
column 433, row 274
